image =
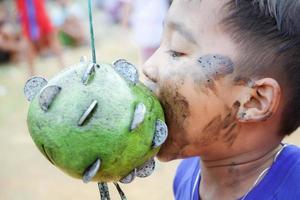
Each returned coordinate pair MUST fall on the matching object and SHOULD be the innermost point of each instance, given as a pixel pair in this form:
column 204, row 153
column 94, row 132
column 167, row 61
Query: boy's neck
column 233, row 177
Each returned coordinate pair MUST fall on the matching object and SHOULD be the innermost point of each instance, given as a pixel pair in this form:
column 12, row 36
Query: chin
column 165, row 156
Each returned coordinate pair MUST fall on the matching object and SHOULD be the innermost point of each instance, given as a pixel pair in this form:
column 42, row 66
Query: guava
column 96, row 122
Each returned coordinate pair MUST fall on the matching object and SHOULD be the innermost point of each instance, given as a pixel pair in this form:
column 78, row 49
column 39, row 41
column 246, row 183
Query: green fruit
column 95, row 122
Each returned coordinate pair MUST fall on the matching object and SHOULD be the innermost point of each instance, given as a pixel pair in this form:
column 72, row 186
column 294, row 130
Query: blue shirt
column 282, row 181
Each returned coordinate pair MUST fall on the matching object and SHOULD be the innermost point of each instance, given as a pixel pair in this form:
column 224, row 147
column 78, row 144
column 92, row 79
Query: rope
column 122, row 195
column 92, row 32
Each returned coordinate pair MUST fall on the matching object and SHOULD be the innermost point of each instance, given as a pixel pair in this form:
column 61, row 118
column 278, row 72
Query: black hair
column 268, row 32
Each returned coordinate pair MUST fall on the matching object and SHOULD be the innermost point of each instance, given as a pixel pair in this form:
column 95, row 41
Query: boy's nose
column 150, row 71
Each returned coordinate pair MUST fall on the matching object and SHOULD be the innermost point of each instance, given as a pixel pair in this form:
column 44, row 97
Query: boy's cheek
column 174, row 102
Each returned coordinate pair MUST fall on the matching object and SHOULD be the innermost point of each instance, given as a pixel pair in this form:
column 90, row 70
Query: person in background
column 113, row 10
column 67, row 18
column 37, row 30
column 10, row 40
column 146, row 19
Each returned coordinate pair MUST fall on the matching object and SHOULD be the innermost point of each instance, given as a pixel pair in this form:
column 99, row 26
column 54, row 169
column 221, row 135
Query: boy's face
column 192, row 74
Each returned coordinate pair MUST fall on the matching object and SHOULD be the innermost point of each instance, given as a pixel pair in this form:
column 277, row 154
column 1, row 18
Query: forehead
column 197, row 15
column 206, row 6
column 198, row 22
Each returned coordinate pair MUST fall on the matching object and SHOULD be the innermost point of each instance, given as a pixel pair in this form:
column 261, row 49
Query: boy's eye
column 176, row 54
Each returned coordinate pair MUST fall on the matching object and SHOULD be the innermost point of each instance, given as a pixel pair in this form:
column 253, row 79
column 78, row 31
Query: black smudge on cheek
column 221, row 128
column 216, row 66
column 229, row 125
column 177, row 110
column 175, row 104
column 230, row 117
column 211, row 131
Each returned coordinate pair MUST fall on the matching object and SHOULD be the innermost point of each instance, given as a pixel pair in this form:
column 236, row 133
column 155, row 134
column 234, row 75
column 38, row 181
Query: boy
column 227, row 74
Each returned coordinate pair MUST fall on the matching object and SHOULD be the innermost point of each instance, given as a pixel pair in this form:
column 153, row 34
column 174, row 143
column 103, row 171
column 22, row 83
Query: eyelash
column 175, row 54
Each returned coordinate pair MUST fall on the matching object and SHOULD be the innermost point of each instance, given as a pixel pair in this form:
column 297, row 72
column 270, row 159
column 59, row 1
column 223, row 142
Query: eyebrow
column 183, row 31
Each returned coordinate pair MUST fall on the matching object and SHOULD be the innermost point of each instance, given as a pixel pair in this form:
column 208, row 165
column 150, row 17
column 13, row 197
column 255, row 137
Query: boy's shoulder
column 283, row 179
column 186, row 181
column 289, row 172
column 187, row 168
column 281, row 182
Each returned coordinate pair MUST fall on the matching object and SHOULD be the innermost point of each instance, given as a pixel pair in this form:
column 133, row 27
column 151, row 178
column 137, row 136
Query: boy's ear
column 262, row 101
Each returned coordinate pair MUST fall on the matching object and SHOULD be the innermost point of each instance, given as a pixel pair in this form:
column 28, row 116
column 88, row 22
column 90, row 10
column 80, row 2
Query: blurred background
column 41, row 37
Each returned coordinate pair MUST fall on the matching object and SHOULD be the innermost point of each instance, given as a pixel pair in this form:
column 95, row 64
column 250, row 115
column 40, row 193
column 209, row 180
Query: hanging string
column 122, row 195
column 92, row 32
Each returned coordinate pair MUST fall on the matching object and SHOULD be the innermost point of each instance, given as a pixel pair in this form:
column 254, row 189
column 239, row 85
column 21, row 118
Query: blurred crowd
column 32, row 28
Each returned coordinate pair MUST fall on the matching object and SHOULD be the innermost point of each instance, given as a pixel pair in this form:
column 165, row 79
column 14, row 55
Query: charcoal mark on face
column 230, row 135
column 227, row 134
column 216, row 66
column 175, row 105
column 232, row 138
column 242, row 116
column 243, row 81
column 222, row 128
column 230, row 117
column 212, row 131
column 177, row 110
column 246, row 117
column 200, row 81
column 229, row 125
column 210, row 83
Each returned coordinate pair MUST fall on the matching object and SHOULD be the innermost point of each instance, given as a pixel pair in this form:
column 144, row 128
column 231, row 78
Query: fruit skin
column 106, row 135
